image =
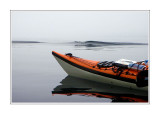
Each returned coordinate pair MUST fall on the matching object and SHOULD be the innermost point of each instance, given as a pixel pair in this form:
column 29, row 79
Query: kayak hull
column 80, row 73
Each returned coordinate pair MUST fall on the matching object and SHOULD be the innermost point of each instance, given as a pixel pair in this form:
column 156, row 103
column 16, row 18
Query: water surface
column 37, row 76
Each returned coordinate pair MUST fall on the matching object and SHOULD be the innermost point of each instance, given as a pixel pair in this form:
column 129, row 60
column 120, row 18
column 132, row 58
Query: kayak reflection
column 76, row 86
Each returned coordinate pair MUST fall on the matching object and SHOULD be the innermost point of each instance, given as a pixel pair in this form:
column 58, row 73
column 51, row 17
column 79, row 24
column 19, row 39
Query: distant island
column 26, row 41
column 107, row 43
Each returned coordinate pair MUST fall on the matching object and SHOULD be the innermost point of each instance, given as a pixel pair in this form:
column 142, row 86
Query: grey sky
column 59, row 26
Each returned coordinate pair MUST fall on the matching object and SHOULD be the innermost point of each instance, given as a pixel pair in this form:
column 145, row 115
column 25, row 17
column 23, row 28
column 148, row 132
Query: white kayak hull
column 77, row 72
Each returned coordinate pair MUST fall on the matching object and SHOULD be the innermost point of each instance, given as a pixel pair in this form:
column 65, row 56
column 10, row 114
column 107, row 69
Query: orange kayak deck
column 126, row 75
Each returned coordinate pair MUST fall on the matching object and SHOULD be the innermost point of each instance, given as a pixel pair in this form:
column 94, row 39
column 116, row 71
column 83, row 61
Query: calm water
column 37, row 77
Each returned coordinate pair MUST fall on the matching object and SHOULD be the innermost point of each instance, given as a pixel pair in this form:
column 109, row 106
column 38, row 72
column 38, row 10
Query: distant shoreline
column 109, row 43
column 26, row 42
column 84, row 43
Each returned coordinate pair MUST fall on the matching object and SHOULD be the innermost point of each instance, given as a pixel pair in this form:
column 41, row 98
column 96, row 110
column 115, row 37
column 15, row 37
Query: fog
column 66, row 26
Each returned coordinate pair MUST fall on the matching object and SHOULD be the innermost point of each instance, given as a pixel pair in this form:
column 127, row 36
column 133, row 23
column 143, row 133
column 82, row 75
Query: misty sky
column 65, row 26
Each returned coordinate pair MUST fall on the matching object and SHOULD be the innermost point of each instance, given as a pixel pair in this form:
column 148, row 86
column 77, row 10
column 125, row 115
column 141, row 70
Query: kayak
column 125, row 73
